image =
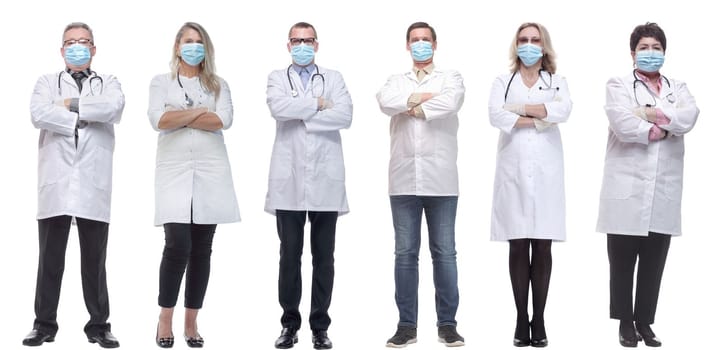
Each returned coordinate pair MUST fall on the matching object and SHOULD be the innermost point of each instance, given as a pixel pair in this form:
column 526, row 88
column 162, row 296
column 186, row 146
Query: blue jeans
column 440, row 217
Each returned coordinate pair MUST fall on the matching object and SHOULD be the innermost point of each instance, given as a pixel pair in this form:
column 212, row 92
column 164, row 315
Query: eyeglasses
column 299, row 41
column 85, row 42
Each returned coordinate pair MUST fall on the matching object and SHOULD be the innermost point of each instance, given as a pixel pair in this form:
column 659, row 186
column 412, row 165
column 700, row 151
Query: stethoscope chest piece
column 294, row 93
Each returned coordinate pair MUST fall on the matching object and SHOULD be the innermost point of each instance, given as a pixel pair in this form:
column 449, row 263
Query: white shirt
column 642, row 185
column 76, row 180
column 307, row 169
column 423, row 150
column 529, row 197
column 191, row 164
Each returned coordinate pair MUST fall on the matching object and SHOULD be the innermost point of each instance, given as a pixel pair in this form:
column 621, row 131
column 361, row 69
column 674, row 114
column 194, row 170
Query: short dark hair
column 418, row 25
column 303, row 25
column 647, row 30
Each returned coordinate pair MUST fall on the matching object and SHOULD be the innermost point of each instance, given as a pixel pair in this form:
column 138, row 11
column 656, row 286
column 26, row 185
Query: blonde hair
column 209, row 79
column 548, row 60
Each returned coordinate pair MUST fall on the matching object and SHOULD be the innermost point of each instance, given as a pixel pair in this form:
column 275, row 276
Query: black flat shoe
column 37, row 337
column 644, row 332
column 287, row 338
column 627, row 334
column 194, row 342
column 105, row 339
column 521, row 333
column 164, row 342
column 321, row 340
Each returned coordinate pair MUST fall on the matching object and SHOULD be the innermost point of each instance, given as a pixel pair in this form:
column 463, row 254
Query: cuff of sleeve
column 74, row 105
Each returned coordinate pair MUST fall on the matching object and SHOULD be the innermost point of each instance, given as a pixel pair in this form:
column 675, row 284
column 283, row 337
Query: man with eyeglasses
column 307, row 178
column 423, row 105
column 75, row 110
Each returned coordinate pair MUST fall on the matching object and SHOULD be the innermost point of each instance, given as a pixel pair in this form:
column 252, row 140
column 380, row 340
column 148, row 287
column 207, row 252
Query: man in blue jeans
column 423, row 105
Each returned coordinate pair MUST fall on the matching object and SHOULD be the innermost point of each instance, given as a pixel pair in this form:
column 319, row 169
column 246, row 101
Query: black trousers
column 323, row 240
column 623, row 252
column 187, row 250
column 53, row 238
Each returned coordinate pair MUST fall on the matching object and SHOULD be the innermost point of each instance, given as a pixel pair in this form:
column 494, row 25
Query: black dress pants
column 53, row 238
column 323, row 239
column 187, row 250
column 623, row 251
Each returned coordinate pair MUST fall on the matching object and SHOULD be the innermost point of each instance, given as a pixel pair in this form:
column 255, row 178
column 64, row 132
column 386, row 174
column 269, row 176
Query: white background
column 365, row 41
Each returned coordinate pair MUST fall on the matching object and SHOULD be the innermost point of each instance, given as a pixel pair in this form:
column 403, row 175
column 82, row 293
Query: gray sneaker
column 449, row 337
column 405, row 335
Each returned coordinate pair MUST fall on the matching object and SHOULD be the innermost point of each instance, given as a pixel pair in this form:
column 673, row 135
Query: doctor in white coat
column 75, row 110
column 528, row 208
column 423, row 104
column 193, row 182
column 307, row 178
column 640, row 205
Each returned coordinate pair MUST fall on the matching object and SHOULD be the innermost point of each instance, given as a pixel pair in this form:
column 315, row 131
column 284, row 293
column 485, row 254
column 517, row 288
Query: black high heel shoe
column 538, row 334
column 644, row 332
column 627, row 334
column 194, row 342
column 164, row 342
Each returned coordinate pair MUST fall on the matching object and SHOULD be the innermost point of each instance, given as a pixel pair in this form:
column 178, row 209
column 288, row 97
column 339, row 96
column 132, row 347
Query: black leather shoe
column 105, row 339
column 645, row 332
column 164, row 342
column 194, row 342
column 37, row 337
column 520, row 343
column 321, row 341
column 538, row 334
column 287, row 339
column 627, row 334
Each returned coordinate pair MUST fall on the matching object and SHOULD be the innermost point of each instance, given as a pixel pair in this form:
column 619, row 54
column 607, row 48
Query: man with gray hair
column 75, row 110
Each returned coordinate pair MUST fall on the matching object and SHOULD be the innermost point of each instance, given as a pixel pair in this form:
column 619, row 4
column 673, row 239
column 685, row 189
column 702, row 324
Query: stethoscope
column 90, row 74
column 670, row 98
column 541, row 76
column 187, row 101
column 294, row 92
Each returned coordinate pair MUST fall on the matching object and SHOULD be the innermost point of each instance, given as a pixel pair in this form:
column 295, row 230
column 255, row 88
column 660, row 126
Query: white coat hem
column 87, row 217
column 340, row 212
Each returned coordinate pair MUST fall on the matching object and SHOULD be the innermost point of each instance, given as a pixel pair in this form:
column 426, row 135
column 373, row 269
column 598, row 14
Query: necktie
column 304, row 76
column 79, row 78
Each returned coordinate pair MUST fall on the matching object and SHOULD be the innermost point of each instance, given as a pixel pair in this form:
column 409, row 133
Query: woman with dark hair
column 193, row 184
column 641, row 195
column 528, row 208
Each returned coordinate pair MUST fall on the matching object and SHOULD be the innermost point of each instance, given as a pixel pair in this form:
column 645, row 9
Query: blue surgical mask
column 650, row 61
column 77, row 55
column 421, row 50
column 529, row 54
column 193, row 53
column 302, row 54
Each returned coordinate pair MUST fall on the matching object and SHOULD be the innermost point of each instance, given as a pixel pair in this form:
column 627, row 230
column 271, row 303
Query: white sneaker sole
column 452, row 345
column 392, row 345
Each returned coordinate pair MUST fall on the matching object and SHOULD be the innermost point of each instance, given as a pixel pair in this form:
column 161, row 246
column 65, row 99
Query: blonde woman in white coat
column 641, row 194
column 193, row 183
column 528, row 208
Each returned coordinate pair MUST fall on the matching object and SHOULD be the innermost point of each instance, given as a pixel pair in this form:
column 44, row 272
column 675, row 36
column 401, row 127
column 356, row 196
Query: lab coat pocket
column 49, row 164
column 620, row 178
column 670, row 178
column 103, row 172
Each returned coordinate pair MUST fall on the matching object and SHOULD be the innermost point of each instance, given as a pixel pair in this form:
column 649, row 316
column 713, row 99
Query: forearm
column 524, row 122
column 538, row 111
column 207, row 121
column 179, row 119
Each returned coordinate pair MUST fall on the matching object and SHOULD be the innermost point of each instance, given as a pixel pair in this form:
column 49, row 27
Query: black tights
column 522, row 270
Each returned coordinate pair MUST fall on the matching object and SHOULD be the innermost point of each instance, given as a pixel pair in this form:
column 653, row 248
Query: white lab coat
column 423, row 150
column 307, row 168
column 642, row 185
column 529, row 197
column 76, row 181
column 192, row 168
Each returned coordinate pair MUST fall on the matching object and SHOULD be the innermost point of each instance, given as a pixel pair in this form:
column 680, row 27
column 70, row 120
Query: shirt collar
column 428, row 69
column 311, row 68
